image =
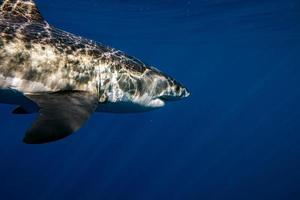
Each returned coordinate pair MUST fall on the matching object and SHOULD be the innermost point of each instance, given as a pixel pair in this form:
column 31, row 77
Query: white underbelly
column 21, row 85
column 122, row 107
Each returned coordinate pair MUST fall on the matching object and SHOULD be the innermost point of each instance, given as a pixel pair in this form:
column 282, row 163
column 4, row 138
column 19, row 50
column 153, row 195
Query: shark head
column 139, row 92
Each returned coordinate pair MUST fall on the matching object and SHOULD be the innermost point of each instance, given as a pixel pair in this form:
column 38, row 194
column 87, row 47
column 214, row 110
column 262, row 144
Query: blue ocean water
column 236, row 137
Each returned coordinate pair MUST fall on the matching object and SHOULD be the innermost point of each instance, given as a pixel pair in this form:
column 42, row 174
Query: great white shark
column 65, row 78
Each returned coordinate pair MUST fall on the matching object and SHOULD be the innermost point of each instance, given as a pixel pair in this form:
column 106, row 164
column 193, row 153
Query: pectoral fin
column 60, row 114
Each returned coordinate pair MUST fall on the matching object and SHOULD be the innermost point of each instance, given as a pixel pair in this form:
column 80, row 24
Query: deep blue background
column 236, row 137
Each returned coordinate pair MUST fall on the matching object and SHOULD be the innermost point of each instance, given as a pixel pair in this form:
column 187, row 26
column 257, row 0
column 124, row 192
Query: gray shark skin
column 66, row 78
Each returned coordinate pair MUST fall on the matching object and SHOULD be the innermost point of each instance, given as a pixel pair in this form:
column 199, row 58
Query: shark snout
column 166, row 88
column 185, row 93
column 175, row 91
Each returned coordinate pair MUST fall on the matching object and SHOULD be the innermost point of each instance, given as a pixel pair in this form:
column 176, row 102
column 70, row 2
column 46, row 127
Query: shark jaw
column 138, row 104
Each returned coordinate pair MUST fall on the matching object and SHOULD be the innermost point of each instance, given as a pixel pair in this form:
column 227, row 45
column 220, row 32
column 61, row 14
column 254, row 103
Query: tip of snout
column 186, row 93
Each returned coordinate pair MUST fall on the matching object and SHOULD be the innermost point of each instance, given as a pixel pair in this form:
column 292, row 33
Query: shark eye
column 177, row 88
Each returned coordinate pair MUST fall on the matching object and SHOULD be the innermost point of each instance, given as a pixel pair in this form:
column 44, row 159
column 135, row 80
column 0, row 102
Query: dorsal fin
column 21, row 11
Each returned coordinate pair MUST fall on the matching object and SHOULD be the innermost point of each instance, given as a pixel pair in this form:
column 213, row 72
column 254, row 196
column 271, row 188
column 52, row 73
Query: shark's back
column 20, row 11
column 33, row 50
